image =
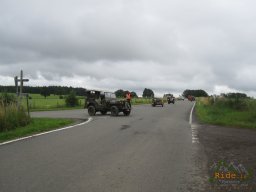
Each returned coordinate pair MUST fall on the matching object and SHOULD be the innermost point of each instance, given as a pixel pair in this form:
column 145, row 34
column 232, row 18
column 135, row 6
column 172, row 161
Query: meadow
column 227, row 112
column 38, row 102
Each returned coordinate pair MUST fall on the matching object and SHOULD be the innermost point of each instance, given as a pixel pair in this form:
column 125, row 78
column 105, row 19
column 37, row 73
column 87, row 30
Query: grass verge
column 57, row 109
column 37, row 125
column 219, row 114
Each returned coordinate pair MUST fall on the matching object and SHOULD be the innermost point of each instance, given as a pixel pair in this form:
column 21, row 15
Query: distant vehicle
column 157, row 101
column 98, row 101
column 170, row 98
column 180, row 98
column 191, row 98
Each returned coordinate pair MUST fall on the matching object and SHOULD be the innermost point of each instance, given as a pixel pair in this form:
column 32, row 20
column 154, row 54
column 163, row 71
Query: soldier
column 128, row 97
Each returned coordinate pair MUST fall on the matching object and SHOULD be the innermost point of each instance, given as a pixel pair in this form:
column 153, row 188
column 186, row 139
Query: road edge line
column 47, row 132
column 191, row 113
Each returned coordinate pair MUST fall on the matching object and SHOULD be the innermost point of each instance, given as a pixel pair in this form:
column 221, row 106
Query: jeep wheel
column 91, row 110
column 114, row 111
column 103, row 112
column 126, row 113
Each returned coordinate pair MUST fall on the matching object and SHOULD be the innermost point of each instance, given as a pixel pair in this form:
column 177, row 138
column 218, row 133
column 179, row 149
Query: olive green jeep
column 157, row 101
column 99, row 101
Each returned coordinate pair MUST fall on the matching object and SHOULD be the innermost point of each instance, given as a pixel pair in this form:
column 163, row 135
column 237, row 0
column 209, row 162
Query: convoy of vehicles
column 104, row 102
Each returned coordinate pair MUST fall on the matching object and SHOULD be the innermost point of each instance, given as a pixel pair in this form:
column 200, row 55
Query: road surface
column 151, row 150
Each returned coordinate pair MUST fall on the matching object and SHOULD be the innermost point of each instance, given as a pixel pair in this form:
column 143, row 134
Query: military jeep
column 157, row 101
column 103, row 102
column 170, row 98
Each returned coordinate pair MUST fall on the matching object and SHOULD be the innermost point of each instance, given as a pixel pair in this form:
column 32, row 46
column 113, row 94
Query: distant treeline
column 56, row 90
column 234, row 95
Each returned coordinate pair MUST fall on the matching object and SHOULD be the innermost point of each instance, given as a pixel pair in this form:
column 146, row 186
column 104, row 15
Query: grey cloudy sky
column 165, row 45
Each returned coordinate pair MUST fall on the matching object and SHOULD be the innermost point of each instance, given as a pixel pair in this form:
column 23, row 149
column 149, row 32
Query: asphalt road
column 151, row 150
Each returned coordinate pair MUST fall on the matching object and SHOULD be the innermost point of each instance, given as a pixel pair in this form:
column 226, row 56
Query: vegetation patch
column 235, row 112
column 36, row 125
column 11, row 115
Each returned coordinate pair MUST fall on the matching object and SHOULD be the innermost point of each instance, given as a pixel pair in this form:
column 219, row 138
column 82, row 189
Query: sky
column 165, row 45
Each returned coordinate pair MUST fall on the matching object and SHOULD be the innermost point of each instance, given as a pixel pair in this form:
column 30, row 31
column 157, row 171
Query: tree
column 45, row 92
column 148, row 93
column 119, row 93
column 122, row 93
column 71, row 99
column 134, row 94
column 195, row 93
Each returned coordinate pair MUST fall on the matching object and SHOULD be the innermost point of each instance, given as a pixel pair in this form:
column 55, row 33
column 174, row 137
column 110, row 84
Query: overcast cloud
column 164, row 45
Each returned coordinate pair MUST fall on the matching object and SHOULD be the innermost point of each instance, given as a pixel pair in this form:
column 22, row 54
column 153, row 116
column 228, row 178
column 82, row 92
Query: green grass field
column 52, row 102
column 38, row 103
column 37, row 125
column 227, row 112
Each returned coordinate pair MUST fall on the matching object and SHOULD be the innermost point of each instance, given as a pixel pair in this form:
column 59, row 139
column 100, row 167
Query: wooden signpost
column 19, row 89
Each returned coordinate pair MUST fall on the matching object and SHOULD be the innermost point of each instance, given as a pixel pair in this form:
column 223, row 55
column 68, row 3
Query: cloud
column 165, row 45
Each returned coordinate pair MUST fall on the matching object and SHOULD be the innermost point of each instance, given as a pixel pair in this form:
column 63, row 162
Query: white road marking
column 44, row 133
column 191, row 112
column 194, row 131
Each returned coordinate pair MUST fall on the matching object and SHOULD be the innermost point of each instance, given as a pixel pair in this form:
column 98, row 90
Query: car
column 180, row 98
column 170, row 98
column 157, row 101
column 191, row 98
column 103, row 102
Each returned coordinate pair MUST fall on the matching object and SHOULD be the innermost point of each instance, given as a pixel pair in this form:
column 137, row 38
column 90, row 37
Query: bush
column 7, row 99
column 71, row 100
column 12, row 117
column 61, row 97
column 236, row 104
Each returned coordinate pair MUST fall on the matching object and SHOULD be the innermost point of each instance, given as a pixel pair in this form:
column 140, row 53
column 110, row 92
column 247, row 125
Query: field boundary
column 47, row 132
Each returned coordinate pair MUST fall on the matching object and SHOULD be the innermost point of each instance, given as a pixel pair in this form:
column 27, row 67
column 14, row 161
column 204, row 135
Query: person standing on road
column 128, row 97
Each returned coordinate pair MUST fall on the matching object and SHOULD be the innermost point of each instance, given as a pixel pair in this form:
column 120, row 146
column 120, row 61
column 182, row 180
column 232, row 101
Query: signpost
column 19, row 92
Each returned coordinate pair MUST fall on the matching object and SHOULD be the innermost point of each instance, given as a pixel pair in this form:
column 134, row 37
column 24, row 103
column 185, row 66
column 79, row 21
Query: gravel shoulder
column 227, row 144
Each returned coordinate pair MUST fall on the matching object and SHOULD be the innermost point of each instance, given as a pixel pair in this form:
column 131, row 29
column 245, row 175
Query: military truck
column 103, row 102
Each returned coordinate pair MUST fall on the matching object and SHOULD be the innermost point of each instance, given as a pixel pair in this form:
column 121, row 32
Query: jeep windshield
column 110, row 95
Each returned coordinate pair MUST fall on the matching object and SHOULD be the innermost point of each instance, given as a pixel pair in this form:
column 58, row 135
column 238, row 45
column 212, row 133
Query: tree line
column 45, row 90
column 148, row 93
column 234, row 95
column 65, row 90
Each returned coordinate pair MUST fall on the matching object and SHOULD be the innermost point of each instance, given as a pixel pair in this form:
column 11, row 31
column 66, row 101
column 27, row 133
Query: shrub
column 61, row 97
column 7, row 99
column 236, row 104
column 12, row 117
column 71, row 100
